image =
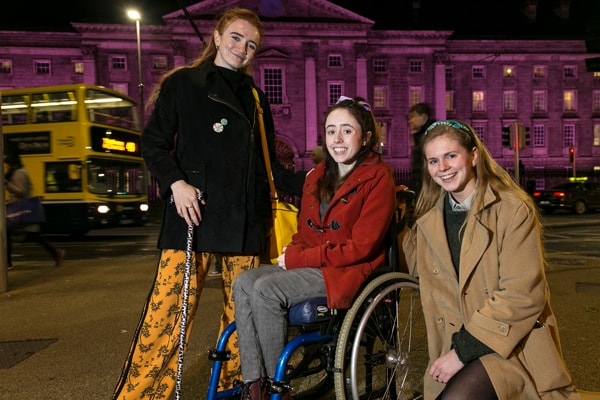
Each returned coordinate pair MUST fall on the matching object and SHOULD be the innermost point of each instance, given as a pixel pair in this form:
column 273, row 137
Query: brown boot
column 255, row 390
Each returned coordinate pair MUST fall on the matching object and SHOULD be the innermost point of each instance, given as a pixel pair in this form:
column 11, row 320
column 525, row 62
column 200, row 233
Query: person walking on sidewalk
column 18, row 184
column 203, row 138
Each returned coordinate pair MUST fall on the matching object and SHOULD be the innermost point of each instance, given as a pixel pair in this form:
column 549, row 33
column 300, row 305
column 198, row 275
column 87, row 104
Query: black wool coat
column 205, row 131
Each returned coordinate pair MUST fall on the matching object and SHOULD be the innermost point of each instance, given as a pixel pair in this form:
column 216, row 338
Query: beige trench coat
column 500, row 294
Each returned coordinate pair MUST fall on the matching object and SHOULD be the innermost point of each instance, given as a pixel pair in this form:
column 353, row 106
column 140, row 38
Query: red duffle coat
column 348, row 242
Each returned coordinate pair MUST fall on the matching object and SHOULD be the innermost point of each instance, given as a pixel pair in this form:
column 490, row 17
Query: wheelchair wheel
column 381, row 351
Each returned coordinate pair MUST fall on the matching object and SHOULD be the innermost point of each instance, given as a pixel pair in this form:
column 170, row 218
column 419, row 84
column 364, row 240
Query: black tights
column 470, row 383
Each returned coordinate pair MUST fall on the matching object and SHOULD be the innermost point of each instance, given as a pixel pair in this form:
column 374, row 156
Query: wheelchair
column 376, row 349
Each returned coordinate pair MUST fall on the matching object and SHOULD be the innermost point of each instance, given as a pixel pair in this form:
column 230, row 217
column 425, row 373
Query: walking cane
column 184, row 307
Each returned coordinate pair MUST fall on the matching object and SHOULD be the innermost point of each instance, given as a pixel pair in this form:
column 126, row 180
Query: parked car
column 578, row 196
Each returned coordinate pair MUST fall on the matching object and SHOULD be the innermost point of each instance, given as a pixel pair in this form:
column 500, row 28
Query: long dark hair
column 361, row 111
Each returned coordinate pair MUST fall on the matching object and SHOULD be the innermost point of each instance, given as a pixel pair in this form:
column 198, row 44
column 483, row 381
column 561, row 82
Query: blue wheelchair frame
column 319, row 327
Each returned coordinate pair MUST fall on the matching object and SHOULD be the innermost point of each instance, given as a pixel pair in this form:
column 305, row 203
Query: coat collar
column 219, row 89
column 363, row 172
column 475, row 240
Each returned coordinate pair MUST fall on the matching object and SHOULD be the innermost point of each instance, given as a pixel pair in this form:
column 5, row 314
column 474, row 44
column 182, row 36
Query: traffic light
column 571, row 154
column 523, row 136
column 507, row 135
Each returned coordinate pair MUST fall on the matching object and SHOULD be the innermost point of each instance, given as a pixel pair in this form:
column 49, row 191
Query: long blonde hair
column 487, row 170
column 210, row 51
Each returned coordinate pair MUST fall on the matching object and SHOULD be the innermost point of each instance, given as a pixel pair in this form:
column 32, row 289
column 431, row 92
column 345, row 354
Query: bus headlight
column 103, row 209
column 144, row 207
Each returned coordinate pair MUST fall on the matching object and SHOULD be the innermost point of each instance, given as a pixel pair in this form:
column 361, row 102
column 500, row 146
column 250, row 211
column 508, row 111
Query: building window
column 596, row 75
column 596, row 101
column 478, row 101
column 596, row 129
column 120, row 87
column 118, row 62
column 78, row 67
column 539, row 101
column 380, row 65
column 273, row 84
column 509, row 100
column 569, row 100
column 479, row 131
column 335, row 91
column 449, row 72
column 539, row 136
column 415, row 66
column 380, row 97
column 335, row 60
column 478, row 71
column 509, row 71
column 415, row 95
column 41, row 67
column 539, row 71
column 450, row 101
column 159, row 62
column 568, row 135
column 6, row 67
column 570, row 71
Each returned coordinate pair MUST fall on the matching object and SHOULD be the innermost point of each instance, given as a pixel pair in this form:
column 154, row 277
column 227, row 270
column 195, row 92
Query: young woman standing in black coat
column 203, row 137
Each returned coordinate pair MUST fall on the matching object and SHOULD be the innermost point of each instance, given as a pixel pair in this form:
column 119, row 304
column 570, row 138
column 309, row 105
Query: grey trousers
column 262, row 297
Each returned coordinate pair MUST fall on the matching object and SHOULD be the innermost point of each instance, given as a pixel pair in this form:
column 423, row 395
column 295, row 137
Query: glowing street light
column 135, row 15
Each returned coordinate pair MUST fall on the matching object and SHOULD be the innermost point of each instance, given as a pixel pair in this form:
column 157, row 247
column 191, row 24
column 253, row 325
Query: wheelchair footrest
column 278, row 387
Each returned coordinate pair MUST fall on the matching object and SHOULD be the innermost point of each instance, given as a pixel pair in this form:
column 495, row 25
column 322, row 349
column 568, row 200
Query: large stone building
column 314, row 51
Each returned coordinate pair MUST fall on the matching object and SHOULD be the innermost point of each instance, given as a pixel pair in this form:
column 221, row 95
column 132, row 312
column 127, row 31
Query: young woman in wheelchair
column 347, row 205
column 476, row 246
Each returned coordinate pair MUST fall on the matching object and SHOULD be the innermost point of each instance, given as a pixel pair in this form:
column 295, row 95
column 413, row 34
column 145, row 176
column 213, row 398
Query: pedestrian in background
column 18, row 185
column 347, row 206
column 317, row 155
column 476, row 246
column 203, row 138
column 419, row 118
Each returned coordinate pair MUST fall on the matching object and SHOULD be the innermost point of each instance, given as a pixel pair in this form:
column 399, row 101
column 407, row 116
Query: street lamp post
column 135, row 15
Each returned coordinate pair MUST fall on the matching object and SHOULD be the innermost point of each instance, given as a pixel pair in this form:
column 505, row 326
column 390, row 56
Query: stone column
column 439, row 84
column 89, row 64
column 361, row 72
column 179, row 47
column 310, row 90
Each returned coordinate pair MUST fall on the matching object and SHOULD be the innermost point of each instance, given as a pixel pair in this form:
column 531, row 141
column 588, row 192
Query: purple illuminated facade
column 314, row 51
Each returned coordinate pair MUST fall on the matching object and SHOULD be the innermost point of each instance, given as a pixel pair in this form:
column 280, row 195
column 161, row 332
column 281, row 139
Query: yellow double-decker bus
column 81, row 147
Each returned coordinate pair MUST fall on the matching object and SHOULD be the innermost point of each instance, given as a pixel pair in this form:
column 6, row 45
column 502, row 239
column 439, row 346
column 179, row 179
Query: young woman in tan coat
column 476, row 246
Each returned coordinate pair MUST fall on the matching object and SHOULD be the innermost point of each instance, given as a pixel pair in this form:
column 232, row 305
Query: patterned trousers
column 150, row 370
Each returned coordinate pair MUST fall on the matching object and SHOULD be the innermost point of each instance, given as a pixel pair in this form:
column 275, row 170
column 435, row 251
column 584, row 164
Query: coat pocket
column 542, row 358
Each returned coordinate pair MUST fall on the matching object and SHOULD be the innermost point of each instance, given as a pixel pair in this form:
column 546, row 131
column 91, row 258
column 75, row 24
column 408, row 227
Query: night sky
column 469, row 16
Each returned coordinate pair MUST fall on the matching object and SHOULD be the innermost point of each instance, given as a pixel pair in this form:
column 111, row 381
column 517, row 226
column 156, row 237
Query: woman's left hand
column 445, row 367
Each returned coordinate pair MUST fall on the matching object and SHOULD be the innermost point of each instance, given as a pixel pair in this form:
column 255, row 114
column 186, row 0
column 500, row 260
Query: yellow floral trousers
column 150, row 371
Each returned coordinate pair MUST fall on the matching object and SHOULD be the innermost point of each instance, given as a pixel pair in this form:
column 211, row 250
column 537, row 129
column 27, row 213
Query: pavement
column 65, row 332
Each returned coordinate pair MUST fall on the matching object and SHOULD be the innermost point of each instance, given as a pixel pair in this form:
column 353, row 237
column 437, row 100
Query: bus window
column 14, row 110
column 115, row 178
column 42, row 117
column 104, row 108
column 63, row 177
